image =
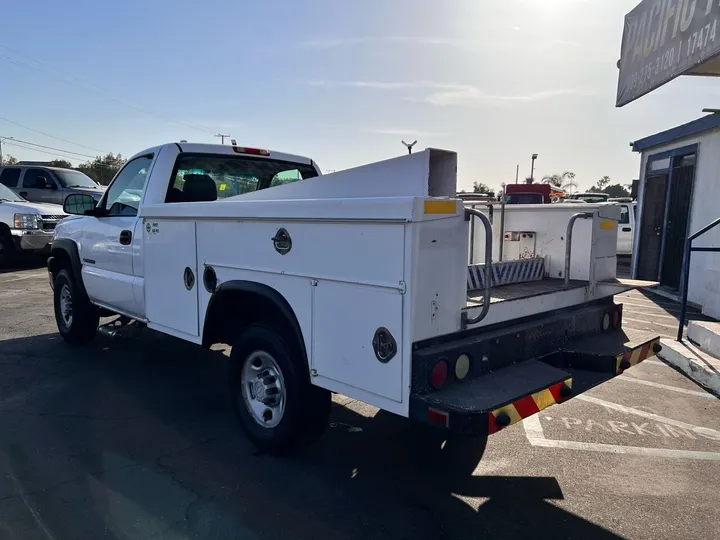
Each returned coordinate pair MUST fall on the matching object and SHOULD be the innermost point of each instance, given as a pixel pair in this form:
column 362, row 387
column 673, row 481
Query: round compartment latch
column 189, row 278
column 209, row 279
column 282, row 241
column 384, row 345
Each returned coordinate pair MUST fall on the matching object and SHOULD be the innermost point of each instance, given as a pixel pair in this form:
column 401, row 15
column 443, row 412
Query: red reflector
column 439, row 373
column 616, row 318
column 438, row 417
column 254, row 151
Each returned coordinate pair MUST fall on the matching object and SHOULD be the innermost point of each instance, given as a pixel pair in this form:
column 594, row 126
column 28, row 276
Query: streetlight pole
column 1, row 154
column 532, row 167
column 222, row 137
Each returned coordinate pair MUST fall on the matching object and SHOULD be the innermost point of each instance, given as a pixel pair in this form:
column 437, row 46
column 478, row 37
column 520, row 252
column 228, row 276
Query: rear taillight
column 439, row 374
column 253, row 151
column 617, row 317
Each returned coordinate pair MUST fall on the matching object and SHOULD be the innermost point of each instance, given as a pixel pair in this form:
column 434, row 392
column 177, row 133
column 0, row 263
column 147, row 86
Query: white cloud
column 445, row 94
column 516, row 28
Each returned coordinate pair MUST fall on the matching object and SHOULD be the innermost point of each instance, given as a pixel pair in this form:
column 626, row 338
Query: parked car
column 626, row 228
column 590, row 197
column 48, row 184
column 25, row 226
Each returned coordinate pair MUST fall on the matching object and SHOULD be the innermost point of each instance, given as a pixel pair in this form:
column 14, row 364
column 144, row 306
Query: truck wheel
column 7, row 249
column 279, row 410
column 77, row 319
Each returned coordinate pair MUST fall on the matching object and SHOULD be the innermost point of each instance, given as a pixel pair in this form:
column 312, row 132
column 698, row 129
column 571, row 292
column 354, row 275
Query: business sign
column 663, row 39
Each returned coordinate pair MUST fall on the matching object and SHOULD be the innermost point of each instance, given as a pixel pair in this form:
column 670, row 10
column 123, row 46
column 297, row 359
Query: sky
column 340, row 81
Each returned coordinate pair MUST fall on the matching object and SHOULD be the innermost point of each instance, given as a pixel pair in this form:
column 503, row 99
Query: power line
column 102, row 92
column 51, row 136
column 53, row 148
column 55, row 154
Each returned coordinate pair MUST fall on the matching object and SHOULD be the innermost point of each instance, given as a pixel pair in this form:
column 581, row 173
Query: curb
column 701, row 367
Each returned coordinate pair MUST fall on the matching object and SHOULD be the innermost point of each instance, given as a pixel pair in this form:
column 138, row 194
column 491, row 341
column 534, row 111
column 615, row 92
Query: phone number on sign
column 696, row 42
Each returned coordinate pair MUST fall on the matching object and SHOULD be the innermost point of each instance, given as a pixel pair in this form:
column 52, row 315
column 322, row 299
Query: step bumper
column 490, row 403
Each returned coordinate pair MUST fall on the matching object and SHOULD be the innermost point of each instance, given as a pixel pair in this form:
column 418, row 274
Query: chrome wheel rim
column 263, row 389
column 66, row 305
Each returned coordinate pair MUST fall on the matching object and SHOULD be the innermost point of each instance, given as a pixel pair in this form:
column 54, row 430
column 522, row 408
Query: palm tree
column 564, row 181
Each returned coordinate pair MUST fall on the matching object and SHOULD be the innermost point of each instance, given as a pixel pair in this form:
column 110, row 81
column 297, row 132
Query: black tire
column 7, row 248
column 81, row 326
column 306, row 407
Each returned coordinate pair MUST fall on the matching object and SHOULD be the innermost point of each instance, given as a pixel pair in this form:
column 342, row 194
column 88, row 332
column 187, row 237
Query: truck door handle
column 125, row 238
column 626, row 229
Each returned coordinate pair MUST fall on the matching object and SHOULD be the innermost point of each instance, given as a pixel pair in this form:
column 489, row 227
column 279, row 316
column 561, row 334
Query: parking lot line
column 697, row 393
column 707, row 432
column 536, row 437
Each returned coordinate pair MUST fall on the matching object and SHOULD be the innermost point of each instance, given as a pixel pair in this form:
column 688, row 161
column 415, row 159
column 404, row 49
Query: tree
column 603, row 182
column 102, row 169
column 616, row 190
column 8, row 160
column 63, row 164
column 564, row 181
column 479, row 187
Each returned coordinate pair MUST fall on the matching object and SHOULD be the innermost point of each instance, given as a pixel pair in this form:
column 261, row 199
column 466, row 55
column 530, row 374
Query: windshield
column 70, row 179
column 7, row 194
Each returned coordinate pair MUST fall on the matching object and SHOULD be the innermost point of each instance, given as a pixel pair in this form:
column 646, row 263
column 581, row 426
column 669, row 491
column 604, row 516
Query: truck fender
column 64, row 253
column 279, row 305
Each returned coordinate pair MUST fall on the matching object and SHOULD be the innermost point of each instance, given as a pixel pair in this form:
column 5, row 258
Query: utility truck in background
column 374, row 282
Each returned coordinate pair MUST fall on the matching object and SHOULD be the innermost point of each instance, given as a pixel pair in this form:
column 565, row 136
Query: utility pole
column 517, row 173
column 222, row 137
column 409, row 146
column 532, row 167
column 1, row 154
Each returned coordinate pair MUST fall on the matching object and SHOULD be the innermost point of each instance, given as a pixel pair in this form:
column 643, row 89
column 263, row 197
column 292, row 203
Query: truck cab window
column 200, row 177
column 624, row 215
column 124, row 194
column 38, row 179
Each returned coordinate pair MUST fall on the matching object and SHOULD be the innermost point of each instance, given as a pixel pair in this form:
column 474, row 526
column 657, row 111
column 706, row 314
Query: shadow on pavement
column 22, row 262
column 135, row 438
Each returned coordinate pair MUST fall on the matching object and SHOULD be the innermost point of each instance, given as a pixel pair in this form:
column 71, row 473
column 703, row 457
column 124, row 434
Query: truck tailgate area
column 521, row 383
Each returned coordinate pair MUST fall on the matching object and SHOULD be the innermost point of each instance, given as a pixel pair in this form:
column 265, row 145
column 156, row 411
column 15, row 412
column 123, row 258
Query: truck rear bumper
column 489, row 403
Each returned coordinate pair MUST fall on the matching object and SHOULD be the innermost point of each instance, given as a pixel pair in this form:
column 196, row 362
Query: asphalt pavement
column 134, row 438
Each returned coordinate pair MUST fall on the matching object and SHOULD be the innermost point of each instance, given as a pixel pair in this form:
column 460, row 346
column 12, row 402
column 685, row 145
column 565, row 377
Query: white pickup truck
column 25, row 226
column 360, row 282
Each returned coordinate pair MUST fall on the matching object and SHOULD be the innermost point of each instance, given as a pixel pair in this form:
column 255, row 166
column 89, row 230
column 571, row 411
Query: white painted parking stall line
column 654, row 363
column 696, row 393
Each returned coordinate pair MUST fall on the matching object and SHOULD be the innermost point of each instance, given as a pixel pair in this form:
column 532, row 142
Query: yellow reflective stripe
column 440, row 207
column 607, row 225
column 543, row 399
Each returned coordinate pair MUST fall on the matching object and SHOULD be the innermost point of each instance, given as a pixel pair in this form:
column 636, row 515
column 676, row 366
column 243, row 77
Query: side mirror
column 78, row 204
column 44, row 183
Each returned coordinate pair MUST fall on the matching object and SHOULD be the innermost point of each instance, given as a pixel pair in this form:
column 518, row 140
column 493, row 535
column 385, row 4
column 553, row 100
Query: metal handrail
column 487, row 271
column 472, row 228
column 686, row 269
column 568, row 240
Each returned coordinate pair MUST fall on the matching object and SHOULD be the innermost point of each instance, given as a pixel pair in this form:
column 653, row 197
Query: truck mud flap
column 487, row 404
